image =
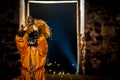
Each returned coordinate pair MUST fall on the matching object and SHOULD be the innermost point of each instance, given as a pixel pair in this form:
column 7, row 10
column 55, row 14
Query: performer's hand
column 23, row 28
column 35, row 28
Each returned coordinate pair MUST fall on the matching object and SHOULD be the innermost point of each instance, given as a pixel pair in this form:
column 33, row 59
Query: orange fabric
column 38, row 54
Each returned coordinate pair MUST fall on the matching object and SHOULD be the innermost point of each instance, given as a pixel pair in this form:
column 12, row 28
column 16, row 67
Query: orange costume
column 33, row 58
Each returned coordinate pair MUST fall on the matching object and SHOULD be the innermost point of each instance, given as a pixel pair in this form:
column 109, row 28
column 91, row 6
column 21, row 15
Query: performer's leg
column 40, row 75
column 25, row 74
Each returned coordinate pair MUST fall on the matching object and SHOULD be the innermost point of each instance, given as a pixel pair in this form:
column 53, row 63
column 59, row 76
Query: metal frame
column 80, row 19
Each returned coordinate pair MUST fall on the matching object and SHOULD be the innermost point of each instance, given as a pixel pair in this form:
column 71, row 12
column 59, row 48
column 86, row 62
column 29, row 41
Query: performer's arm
column 20, row 42
column 42, row 50
column 42, row 45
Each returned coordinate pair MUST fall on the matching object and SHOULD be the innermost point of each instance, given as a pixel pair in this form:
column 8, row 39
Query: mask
column 32, row 38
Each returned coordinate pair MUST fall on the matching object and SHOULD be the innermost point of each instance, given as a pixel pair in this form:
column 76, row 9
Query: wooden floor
column 79, row 77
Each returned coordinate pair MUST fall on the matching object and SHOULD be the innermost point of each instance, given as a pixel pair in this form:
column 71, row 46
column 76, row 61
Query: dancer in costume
column 33, row 47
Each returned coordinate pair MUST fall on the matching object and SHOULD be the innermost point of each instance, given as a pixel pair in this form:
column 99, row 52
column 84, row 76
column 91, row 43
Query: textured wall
column 9, row 57
column 102, row 36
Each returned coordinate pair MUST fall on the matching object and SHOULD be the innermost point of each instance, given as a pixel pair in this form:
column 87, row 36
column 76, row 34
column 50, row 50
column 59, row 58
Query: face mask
column 32, row 38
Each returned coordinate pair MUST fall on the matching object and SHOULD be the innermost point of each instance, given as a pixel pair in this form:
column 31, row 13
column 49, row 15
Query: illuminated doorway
column 61, row 16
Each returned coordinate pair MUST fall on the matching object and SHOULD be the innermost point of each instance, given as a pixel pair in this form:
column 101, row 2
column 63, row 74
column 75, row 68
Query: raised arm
column 20, row 39
column 42, row 45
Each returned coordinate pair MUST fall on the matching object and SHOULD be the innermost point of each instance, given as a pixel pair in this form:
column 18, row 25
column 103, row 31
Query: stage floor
column 79, row 77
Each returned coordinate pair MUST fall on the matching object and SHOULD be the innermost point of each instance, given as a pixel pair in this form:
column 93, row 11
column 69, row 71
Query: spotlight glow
column 73, row 65
column 65, row 45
